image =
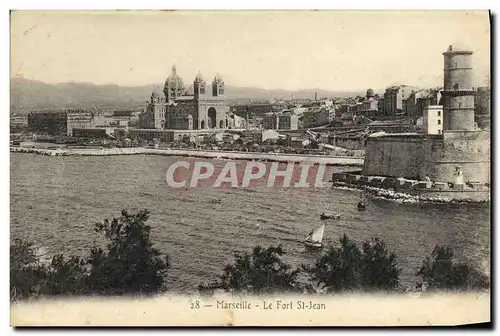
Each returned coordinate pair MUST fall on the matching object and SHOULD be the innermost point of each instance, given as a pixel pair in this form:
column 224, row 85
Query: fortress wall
column 393, row 155
column 470, row 150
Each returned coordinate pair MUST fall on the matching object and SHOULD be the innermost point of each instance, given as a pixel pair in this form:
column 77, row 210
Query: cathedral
column 194, row 109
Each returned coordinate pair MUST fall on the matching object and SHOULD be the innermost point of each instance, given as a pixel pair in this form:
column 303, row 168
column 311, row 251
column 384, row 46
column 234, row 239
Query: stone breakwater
column 399, row 197
column 274, row 157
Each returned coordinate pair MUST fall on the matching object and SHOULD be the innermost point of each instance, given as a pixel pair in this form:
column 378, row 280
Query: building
column 236, row 122
column 59, row 122
column 288, row 121
column 433, row 119
column 393, row 100
column 280, row 121
column 270, row 121
column 195, row 109
column 164, row 135
column 18, row 124
column 253, row 109
column 78, row 119
column 131, row 115
column 369, row 106
column 460, row 150
column 415, row 104
column 90, row 132
column 309, row 119
column 381, row 107
column 326, row 115
column 48, row 122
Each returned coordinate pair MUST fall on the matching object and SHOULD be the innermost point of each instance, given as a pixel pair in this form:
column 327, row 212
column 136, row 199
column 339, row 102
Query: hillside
column 27, row 95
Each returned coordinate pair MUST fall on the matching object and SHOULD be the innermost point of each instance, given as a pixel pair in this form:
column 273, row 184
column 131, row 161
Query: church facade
column 197, row 108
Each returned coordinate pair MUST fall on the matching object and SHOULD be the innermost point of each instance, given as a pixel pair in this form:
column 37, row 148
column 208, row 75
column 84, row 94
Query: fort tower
column 458, row 93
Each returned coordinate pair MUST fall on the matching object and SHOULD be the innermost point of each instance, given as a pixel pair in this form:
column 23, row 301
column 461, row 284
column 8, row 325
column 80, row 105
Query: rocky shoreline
column 266, row 157
column 399, row 197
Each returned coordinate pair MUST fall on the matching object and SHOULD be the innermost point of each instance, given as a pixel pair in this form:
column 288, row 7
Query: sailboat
column 315, row 237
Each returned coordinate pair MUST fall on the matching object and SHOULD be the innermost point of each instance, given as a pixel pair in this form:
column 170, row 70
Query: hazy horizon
column 341, row 51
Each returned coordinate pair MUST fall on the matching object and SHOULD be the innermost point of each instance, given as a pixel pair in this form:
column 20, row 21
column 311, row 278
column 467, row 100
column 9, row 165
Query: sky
column 291, row 50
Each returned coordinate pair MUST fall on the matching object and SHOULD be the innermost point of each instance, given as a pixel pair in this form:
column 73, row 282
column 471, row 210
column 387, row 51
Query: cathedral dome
column 369, row 93
column 174, row 80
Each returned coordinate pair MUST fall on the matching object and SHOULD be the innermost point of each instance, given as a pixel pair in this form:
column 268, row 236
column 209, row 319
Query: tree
column 347, row 268
column 130, row 264
column 25, row 271
column 338, row 269
column 260, row 272
column 379, row 269
column 64, row 277
column 441, row 272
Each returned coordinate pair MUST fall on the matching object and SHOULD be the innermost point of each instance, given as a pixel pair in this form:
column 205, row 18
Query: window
column 455, row 86
column 439, row 113
column 439, row 121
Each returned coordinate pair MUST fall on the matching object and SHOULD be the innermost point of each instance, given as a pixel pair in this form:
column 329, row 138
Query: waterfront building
column 90, row 132
column 192, row 109
column 130, row 114
column 164, row 135
column 59, row 122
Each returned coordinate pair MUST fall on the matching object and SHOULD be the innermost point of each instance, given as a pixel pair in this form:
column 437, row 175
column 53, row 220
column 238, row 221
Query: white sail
column 317, row 234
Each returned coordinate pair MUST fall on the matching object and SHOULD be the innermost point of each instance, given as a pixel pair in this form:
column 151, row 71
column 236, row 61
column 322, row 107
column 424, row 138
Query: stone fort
column 461, row 146
column 178, row 108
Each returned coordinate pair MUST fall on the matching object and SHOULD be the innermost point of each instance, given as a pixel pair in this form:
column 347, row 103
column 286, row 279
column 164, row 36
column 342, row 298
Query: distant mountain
column 27, row 95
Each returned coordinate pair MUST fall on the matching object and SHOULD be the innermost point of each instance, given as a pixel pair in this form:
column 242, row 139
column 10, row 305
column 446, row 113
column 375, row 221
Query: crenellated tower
column 458, row 93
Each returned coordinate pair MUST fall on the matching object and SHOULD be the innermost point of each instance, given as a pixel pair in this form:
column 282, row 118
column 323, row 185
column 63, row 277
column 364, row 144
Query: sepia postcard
column 250, row 168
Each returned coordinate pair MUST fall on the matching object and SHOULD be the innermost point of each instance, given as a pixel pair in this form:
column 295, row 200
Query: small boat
column 361, row 203
column 210, row 284
column 325, row 216
column 315, row 237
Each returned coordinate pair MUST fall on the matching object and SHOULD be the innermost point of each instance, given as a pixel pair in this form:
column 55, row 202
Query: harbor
column 58, row 201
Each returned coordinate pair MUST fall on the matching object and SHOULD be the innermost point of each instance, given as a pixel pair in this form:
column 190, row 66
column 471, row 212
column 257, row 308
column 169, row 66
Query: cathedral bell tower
column 199, row 86
column 218, row 87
